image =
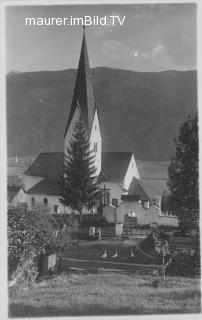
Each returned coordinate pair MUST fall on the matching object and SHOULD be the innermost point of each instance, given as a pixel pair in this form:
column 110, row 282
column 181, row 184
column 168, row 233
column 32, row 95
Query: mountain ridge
column 139, row 111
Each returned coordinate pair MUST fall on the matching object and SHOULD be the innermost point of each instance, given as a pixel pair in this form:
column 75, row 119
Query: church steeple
column 83, row 105
column 83, row 96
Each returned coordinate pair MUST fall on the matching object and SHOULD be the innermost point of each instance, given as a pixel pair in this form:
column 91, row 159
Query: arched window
column 32, row 202
column 95, row 146
column 45, row 202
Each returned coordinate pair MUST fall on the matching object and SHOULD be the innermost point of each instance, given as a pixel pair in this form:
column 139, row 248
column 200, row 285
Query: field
column 107, row 286
column 106, row 294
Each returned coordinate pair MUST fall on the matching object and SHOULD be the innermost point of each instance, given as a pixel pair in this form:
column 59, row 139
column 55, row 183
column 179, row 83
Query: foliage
column 14, row 181
column 166, row 203
column 93, row 220
column 26, row 272
column 79, row 185
column 183, row 176
column 35, row 233
column 183, row 263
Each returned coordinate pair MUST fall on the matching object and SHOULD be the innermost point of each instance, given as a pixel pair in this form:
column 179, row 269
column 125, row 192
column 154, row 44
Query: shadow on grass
column 19, row 310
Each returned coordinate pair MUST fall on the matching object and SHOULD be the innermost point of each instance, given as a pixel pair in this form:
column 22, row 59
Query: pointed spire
column 84, row 29
column 83, row 90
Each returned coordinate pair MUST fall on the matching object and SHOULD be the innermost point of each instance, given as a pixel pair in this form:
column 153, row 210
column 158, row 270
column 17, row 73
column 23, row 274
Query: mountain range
column 139, row 111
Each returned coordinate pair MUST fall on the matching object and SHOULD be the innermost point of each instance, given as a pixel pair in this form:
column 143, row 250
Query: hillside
column 139, row 112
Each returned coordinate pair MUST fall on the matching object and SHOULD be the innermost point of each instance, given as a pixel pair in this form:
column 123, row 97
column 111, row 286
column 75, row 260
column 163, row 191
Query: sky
column 154, row 37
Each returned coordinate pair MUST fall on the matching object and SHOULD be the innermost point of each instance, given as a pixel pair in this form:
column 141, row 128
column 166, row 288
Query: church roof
column 83, row 96
column 46, row 186
column 115, row 165
column 50, row 166
column 47, row 165
column 141, row 189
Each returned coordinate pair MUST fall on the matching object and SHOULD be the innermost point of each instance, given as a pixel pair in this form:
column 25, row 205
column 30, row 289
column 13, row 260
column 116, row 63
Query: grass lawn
column 95, row 249
column 88, row 256
column 105, row 294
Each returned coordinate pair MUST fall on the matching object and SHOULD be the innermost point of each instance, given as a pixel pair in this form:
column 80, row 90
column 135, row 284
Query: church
column 124, row 195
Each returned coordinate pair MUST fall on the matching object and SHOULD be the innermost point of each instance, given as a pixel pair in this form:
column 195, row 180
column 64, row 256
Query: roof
column 12, row 191
column 46, row 186
column 115, row 165
column 50, row 166
column 141, row 189
column 83, row 96
column 47, row 165
column 126, row 197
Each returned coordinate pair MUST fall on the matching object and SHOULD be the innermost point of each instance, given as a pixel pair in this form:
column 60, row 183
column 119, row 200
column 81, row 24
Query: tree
column 14, row 181
column 31, row 234
column 79, row 185
column 183, row 176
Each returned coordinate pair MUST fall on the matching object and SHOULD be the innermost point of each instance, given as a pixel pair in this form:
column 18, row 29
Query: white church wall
column 109, row 212
column 168, row 221
column 132, row 171
column 20, row 197
column 115, row 189
column 52, row 201
column 144, row 216
column 95, row 137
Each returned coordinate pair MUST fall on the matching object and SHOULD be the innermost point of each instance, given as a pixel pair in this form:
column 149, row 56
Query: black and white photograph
column 102, row 152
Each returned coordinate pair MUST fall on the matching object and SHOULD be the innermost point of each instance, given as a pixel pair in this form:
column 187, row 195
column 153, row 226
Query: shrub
column 93, row 220
column 25, row 274
column 183, row 263
column 31, row 234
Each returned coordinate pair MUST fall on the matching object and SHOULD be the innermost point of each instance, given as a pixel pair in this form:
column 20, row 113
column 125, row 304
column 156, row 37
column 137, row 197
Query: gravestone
column 49, row 262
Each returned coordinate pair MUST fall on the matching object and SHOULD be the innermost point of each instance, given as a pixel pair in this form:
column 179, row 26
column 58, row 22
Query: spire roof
column 83, row 96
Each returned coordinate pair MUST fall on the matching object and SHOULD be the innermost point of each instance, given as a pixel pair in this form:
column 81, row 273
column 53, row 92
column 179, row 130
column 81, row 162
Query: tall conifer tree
column 183, row 174
column 79, row 184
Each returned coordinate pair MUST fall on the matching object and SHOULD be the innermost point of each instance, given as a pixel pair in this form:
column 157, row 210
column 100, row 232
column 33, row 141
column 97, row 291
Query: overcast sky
column 152, row 38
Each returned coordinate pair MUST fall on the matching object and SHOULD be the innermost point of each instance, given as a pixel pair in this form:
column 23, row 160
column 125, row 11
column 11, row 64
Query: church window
column 115, row 202
column 32, row 201
column 95, row 127
column 145, row 204
column 45, row 201
column 95, row 146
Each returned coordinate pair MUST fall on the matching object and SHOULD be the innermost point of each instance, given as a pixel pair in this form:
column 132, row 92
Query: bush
column 31, row 234
column 25, row 274
column 183, row 263
column 93, row 220
column 147, row 244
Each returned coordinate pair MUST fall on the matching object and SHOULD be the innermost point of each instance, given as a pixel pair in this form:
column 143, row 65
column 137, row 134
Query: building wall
column 95, row 137
column 168, row 220
column 144, row 216
column 115, row 189
column 21, row 197
column 132, row 171
column 109, row 213
column 52, row 200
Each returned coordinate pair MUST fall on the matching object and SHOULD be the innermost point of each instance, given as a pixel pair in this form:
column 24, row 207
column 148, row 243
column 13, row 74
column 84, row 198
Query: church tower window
column 95, row 146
